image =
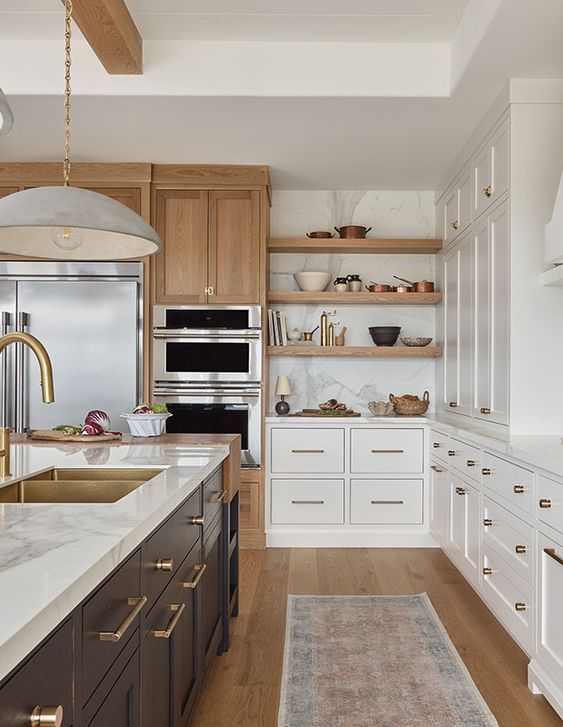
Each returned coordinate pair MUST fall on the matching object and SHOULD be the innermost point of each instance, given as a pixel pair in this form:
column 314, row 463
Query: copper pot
column 419, row 286
column 353, row 232
column 378, row 288
column 320, row 235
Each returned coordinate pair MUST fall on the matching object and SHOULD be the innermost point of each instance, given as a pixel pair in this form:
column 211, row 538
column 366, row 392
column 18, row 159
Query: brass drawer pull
column 199, row 570
column 453, row 404
column 455, row 224
column 471, row 463
column 307, row 502
column 485, row 410
column 219, row 497
column 387, row 502
column 545, row 504
column 307, row 451
column 460, row 490
column 164, row 564
column 518, row 489
column 436, row 468
column 520, row 549
column 210, row 290
column 486, row 471
column 116, row 635
column 487, row 522
column 197, row 520
column 177, row 609
column 451, row 452
column 487, row 571
column 520, row 606
column 47, row 717
column 387, row 451
column 552, row 554
column 488, row 190
column 436, row 445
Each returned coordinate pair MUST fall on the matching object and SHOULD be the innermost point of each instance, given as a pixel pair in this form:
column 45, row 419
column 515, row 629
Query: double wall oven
column 207, row 368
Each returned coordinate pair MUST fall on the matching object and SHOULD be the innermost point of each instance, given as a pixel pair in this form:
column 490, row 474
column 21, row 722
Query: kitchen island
column 81, row 570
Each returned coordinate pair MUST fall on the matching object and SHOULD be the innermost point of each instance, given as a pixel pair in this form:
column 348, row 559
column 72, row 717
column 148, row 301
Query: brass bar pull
column 199, row 570
column 487, row 571
column 488, row 190
column 460, row 490
column 387, row 502
column 471, row 463
column 177, row 609
column 197, row 520
column 545, row 504
column 520, row 549
column 116, row 635
column 485, row 410
column 436, row 468
column 164, row 564
column 518, row 489
column 453, row 404
column 552, row 554
column 308, row 451
column 520, row 606
column 387, row 451
column 46, row 717
column 451, row 452
column 487, row 522
column 219, row 496
column 436, row 445
column 486, row 471
column 307, row 502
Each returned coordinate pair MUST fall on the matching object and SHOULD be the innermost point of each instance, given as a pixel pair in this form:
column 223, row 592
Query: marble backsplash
column 354, row 380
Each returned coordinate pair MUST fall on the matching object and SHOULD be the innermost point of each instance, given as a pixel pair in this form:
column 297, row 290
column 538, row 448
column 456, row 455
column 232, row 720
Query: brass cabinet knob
column 164, row 564
column 471, row 463
column 488, row 190
column 520, row 606
column 487, row 522
column 486, row 471
column 197, row 520
column 47, row 717
column 487, row 571
column 485, row 410
column 545, row 504
column 518, row 489
column 455, row 224
column 520, row 549
column 460, row 490
column 451, row 452
column 436, row 445
column 453, row 404
column 435, row 468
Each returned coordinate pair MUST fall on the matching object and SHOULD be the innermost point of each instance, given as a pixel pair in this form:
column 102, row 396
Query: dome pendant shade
column 6, row 117
column 69, row 223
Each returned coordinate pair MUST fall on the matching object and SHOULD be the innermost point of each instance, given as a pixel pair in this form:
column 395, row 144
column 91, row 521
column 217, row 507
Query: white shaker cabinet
column 439, row 496
column 491, row 170
column 455, row 208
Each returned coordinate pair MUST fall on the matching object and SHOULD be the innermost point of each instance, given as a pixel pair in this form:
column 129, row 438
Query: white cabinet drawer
column 307, row 450
column 550, row 588
column 509, row 596
column 465, row 458
column 386, row 501
column 387, row 451
column 513, row 483
column 439, row 444
column 318, row 502
column 512, row 538
column 550, row 503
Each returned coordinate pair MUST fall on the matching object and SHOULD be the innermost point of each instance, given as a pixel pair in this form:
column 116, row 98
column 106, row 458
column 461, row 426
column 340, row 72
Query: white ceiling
column 388, row 21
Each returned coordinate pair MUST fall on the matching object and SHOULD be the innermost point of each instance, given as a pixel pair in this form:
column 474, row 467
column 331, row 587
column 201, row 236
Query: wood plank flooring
column 243, row 687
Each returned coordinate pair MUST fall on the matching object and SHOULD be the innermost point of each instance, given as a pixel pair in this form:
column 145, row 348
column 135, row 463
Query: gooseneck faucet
column 47, row 388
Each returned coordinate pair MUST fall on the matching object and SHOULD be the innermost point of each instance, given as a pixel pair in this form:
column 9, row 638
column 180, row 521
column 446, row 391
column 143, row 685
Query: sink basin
column 77, row 485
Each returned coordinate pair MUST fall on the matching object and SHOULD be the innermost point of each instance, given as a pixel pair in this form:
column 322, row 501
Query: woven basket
column 410, row 407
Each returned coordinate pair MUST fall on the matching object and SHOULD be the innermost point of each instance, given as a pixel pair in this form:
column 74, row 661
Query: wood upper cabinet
column 234, row 246
column 181, row 219
column 211, row 246
column 128, row 196
column 5, row 191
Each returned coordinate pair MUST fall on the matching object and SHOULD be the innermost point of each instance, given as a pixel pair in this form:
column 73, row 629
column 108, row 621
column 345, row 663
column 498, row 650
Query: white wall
column 392, row 214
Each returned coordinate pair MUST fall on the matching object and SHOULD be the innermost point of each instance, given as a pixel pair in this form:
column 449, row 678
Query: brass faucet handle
column 4, row 452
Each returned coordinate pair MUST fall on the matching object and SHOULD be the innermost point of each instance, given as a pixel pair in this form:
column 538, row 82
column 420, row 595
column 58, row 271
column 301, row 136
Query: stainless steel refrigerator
column 89, row 317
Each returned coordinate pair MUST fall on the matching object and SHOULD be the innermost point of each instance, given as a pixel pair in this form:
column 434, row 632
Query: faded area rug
column 374, row 661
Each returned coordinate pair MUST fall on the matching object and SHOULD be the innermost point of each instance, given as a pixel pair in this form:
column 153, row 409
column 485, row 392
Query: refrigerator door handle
column 5, row 322
column 21, row 425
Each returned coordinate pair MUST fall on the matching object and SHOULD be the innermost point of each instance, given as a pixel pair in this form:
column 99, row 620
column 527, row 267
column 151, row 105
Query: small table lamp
column 283, row 389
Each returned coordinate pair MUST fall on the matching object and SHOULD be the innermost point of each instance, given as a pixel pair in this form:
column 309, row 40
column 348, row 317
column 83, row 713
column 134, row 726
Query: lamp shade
column 69, row 223
column 283, row 387
column 6, row 117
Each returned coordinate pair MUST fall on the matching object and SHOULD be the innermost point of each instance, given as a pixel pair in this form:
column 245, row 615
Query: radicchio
column 98, row 418
column 92, row 429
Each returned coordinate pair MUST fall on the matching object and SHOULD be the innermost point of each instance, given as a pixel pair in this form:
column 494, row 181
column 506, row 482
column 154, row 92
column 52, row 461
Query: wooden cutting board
column 53, row 435
column 319, row 413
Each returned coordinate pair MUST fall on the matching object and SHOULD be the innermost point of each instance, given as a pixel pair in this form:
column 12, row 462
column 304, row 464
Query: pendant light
column 69, row 223
column 6, row 117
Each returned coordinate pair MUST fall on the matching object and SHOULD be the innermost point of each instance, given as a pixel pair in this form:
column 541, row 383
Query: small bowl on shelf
column 320, row 235
column 312, row 281
column 416, row 340
column 384, row 335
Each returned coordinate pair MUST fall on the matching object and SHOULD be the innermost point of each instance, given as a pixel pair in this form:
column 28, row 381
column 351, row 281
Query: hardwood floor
column 243, row 687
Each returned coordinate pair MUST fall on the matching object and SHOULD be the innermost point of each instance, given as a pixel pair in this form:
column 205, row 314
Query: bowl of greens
column 147, row 420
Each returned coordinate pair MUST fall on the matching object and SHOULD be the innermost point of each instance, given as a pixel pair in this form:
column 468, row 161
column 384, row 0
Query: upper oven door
column 221, row 358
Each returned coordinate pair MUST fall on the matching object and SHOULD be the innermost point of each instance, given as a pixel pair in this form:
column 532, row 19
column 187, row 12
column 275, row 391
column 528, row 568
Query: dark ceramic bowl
column 384, row 335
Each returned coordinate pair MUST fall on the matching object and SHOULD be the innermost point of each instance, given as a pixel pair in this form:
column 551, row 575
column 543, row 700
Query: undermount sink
column 77, row 485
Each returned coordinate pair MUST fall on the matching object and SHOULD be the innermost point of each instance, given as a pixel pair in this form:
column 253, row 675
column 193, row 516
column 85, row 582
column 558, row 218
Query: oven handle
column 182, row 335
column 208, row 392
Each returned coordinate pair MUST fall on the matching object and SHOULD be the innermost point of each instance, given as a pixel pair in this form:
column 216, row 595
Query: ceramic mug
column 341, row 285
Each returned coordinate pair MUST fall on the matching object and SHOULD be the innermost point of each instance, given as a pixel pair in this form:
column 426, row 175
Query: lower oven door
column 217, row 411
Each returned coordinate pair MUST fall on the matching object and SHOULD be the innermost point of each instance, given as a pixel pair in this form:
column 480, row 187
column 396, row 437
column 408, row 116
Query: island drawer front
column 171, row 542
column 513, row 483
column 549, row 505
column 315, row 502
column 212, row 497
column 387, row 451
column 300, row 450
column 512, row 538
column 45, row 680
column 509, row 596
column 439, row 444
column 466, row 458
column 104, row 612
column 386, row 502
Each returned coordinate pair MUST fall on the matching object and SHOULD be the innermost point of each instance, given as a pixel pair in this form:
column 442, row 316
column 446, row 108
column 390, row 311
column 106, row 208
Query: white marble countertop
column 53, row 555
column 328, row 419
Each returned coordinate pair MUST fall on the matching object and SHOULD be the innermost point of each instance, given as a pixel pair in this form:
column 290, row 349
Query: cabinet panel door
column 472, row 533
column 212, row 595
column 121, row 706
column 451, row 215
column 439, row 503
column 181, row 268
column 456, row 524
column 128, row 196
column 234, row 246
column 464, row 194
column 451, row 334
column 465, row 329
column 550, row 586
column 482, row 343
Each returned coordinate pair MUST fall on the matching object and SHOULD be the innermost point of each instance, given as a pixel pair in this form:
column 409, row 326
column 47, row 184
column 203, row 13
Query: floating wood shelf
column 365, row 351
column 293, row 297
column 366, row 245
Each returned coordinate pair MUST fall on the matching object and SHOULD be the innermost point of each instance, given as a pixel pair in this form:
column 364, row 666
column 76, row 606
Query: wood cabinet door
column 121, row 707
column 5, row 191
column 128, row 196
column 181, row 268
column 234, row 247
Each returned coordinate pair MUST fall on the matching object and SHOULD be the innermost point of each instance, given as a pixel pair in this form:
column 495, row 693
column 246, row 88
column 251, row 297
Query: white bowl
column 146, row 425
column 312, row 281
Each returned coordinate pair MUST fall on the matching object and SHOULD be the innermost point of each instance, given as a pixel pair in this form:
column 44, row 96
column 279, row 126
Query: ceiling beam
column 112, row 34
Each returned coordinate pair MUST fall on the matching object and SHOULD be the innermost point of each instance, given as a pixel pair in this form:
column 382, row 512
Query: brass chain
column 66, row 162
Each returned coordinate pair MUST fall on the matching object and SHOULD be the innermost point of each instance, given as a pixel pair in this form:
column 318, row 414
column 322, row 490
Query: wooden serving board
column 318, row 413
column 53, row 435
